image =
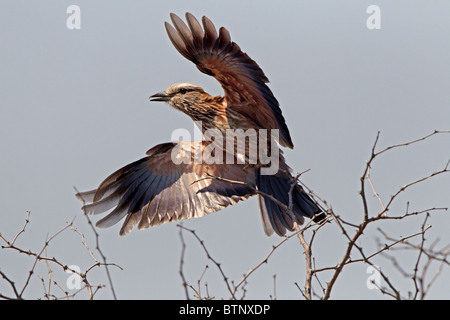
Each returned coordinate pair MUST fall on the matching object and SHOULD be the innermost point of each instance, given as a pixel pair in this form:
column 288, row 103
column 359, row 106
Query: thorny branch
column 41, row 255
column 323, row 278
column 97, row 247
column 354, row 231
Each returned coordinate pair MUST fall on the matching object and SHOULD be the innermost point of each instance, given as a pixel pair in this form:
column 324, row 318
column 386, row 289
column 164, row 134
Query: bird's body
column 190, row 179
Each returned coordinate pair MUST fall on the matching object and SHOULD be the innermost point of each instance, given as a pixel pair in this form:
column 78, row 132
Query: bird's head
column 181, row 96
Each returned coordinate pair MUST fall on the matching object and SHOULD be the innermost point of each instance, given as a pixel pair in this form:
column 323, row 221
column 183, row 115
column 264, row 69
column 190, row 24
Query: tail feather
column 275, row 218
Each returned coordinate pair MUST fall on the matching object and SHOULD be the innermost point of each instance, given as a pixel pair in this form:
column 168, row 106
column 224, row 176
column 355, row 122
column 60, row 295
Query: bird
column 172, row 182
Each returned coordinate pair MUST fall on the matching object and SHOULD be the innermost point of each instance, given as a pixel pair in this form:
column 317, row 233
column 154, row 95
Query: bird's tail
column 274, row 217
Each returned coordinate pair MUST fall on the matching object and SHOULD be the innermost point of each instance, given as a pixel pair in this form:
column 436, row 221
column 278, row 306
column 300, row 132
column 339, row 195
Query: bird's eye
column 183, row 91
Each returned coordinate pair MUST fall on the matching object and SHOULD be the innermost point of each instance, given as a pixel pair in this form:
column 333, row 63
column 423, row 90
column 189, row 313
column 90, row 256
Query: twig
column 97, row 247
column 208, row 255
column 183, row 249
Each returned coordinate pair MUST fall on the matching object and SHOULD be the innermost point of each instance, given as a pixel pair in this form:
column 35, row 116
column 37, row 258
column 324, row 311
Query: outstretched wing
column 242, row 80
column 155, row 190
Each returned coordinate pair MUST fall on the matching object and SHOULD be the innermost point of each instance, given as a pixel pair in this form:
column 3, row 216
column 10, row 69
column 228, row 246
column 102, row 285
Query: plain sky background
column 74, row 108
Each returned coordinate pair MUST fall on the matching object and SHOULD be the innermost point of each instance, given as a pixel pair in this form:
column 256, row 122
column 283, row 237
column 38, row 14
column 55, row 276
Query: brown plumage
column 155, row 189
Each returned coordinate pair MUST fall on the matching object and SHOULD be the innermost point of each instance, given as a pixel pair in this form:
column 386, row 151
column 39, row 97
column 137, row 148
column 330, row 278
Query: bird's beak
column 160, row 96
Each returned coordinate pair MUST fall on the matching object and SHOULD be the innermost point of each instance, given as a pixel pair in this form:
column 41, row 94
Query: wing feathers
column 241, row 78
column 210, row 34
column 153, row 190
column 197, row 31
column 177, row 41
column 86, row 196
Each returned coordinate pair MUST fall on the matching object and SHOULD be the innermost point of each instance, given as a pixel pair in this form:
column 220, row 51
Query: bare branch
column 97, row 247
column 183, row 249
column 208, row 255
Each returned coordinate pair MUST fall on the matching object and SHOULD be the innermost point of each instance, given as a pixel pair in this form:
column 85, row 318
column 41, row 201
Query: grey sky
column 74, row 108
